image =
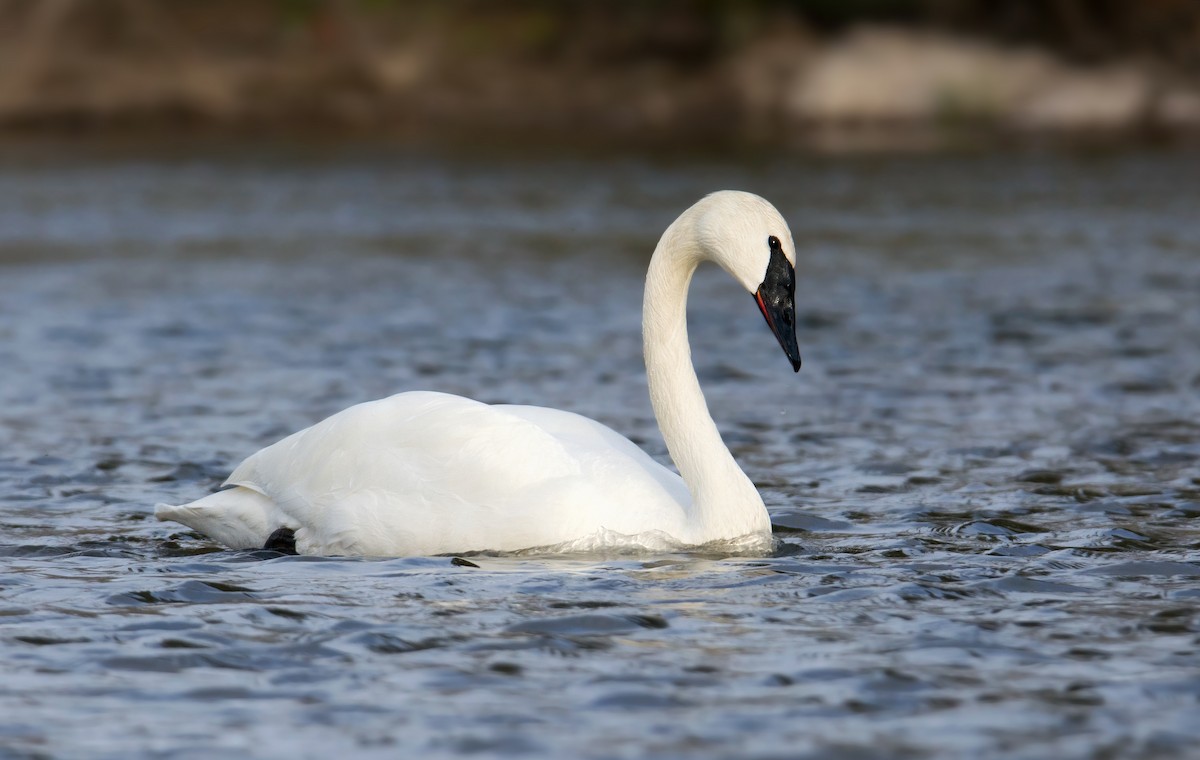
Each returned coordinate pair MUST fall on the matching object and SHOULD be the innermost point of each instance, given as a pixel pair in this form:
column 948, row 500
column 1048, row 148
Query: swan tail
column 237, row 517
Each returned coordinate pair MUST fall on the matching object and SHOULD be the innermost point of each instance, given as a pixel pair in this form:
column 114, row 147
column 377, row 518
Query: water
column 985, row 476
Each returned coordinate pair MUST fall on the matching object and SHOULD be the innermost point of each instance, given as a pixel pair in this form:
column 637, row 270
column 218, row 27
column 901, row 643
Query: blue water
column 985, row 479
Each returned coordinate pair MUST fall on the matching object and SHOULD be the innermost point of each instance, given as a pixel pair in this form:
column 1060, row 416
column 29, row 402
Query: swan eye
column 773, row 242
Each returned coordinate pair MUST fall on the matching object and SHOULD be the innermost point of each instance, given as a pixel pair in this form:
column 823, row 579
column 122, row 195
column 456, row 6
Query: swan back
column 427, row 473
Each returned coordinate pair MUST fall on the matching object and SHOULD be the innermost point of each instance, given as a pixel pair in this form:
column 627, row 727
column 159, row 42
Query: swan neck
column 725, row 504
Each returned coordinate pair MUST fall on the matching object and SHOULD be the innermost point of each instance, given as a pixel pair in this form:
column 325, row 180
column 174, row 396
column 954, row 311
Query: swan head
column 750, row 240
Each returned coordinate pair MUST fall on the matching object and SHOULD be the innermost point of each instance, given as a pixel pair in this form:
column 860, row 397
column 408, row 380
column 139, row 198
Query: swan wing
column 428, row 473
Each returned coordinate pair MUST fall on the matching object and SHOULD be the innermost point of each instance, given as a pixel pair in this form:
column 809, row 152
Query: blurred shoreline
column 539, row 73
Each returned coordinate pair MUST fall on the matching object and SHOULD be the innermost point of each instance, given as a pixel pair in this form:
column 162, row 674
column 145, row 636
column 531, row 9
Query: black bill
column 776, row 298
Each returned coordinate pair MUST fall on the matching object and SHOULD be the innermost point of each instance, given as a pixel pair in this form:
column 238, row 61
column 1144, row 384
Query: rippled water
column 985, row 478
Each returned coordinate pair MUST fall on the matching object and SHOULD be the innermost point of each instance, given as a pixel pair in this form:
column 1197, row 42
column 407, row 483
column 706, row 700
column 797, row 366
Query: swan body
column 431, row 473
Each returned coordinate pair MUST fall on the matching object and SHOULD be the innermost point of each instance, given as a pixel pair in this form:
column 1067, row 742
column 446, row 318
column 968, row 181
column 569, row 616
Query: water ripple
column 984, row 482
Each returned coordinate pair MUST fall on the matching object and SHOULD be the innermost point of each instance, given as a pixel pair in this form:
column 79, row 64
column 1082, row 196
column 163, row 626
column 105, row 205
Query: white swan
column 429, row 473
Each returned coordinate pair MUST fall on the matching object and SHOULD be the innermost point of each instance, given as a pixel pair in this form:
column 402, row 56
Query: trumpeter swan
column 429, row 473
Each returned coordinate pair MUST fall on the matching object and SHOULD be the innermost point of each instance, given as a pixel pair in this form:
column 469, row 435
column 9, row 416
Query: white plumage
column 431, row 473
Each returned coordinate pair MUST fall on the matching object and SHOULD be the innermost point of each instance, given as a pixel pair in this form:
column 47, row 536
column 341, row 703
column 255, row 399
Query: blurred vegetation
column 607, row 65
column 1084, row 30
